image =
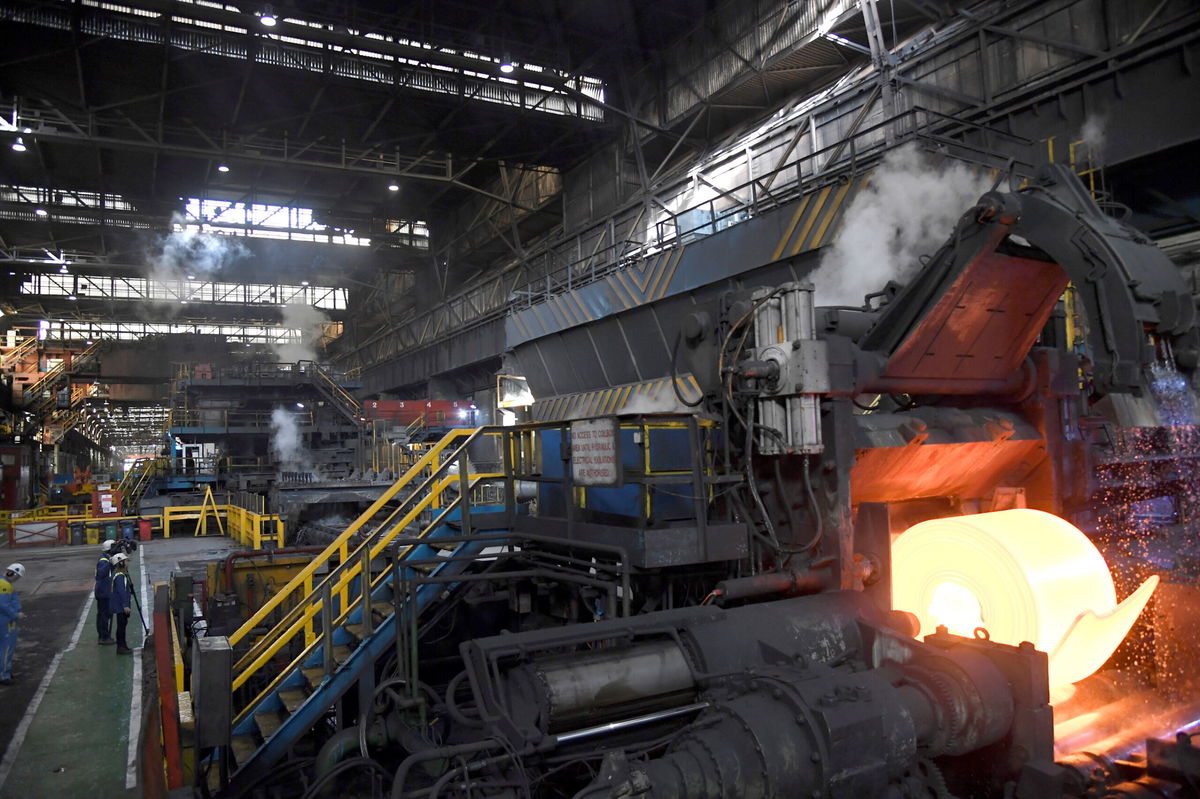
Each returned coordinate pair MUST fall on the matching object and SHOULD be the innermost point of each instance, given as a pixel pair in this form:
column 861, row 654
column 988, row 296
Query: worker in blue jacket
column 104, row 575
column 120, row 597
column 10, row 612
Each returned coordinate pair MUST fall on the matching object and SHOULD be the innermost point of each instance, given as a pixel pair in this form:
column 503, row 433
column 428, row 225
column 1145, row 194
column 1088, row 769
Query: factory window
column 260, row 220
column 192, row 289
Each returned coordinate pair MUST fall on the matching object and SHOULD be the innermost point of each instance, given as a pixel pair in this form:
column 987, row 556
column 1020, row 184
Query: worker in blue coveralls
column 119, row 598
column 103, row 586
column 10, row 612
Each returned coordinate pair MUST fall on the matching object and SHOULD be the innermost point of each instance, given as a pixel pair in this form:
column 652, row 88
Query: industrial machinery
column 708, row 612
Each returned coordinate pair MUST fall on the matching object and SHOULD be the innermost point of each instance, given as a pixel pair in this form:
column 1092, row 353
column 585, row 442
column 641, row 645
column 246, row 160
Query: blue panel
column 670, row 450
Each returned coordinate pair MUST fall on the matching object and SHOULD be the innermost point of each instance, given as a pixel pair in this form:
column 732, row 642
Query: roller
column 1022, row 575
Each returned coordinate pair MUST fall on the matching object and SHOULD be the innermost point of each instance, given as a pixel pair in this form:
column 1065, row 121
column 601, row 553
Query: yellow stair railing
column 428, row 482
column 36, row 388
column 18, row 352
column 301, row 617
column 336, row 390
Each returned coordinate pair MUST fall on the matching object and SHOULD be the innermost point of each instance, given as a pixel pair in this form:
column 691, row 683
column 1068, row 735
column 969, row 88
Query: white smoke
column 189, row 252
column 311, row 324
column 908, row 209
column 1093, row 134
column 287, row 444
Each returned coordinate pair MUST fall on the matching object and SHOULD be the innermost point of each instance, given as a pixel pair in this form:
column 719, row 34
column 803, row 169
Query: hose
column 433, row 754
column 340, row 744
column 452, row 707
column 319, row 786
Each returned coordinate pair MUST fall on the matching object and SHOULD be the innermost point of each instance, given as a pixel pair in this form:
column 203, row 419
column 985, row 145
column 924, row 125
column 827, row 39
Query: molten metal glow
column 1023, row 575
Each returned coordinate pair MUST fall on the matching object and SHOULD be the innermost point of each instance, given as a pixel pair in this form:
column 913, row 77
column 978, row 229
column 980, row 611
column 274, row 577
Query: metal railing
column 226, row 419
column 36, row 388
column 18, row 352
column 851, row 155
column 427, row 483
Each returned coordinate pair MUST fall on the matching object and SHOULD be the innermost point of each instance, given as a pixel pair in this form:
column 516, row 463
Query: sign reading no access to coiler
column 595, row 452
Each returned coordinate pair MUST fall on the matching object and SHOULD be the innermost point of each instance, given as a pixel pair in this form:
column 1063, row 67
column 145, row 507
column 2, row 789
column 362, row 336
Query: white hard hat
column 14, row 570
column 107, row 544
column 119, row 558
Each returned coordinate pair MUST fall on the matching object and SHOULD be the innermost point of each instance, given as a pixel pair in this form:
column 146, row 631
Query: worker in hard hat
column 10, row 612
column 119, row 599
column 104, row 574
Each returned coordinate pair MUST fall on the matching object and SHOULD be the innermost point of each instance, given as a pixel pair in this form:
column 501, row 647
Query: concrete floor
column 65, row 721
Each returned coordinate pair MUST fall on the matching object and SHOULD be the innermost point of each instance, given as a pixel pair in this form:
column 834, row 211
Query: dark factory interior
column 553, row 399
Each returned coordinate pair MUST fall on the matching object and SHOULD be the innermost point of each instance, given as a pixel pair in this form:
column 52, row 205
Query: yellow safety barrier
column 176, row 654
column 339, row 545
column 303, row 614
column 427, row 486
column 244, row 526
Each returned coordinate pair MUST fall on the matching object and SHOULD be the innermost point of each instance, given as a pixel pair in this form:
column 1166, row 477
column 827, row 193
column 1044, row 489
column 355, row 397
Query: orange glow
column 1023, row 575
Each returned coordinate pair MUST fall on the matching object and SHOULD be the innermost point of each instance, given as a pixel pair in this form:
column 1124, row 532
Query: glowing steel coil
column 1023, row 575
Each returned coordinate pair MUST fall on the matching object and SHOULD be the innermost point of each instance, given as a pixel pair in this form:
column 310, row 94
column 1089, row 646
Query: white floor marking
column 135, row 706
column 14, row 746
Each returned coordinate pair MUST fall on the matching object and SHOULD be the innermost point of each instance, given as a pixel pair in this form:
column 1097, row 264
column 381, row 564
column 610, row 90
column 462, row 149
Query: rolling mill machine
column 875, row 551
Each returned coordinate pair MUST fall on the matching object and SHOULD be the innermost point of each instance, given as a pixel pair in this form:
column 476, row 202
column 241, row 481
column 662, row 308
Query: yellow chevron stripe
column 659, row 290
column 584, row 313
column 787, row 236
column 644, row 278
column 614, row 284
column 569, row 308
column 829, row 215
column 812, row 218
column 637, row 298
column 561, row 307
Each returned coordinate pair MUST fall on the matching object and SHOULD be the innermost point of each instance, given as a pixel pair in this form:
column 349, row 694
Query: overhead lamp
column 303, row 282
column 267, row 17
column 19, row 145
column 41, row 212
column 72, row 297
column 191, row 277
column 225, row 167
column 393, row 187
column 506, row 65
column 300, row 405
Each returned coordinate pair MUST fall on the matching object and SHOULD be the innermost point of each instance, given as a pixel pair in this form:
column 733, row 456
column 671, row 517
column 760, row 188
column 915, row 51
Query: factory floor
column 68, row 718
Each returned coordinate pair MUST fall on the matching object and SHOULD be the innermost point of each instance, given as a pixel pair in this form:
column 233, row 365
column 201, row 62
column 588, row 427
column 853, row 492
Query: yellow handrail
column 337, row 390
column 39, row 385
column 339, row 544
column 301, row 615
column 19, row 351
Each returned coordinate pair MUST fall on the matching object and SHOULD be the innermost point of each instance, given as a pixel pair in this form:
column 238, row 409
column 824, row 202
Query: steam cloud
column 909, row 209
column 287, row 444
column 1093, row 134
column 310, row 322
column 187, row 252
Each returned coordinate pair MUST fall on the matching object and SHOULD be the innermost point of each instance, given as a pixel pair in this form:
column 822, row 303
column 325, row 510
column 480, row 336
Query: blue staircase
column 273, row 725
column 319, row 636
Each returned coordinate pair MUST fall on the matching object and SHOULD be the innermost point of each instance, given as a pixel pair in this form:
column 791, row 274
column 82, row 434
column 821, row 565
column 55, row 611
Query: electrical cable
column 813, row 509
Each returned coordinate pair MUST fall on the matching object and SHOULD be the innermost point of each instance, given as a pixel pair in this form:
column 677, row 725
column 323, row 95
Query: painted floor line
column 14, row 746
column 135, row 706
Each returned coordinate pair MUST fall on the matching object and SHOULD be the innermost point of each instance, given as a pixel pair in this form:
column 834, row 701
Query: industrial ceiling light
column 41, row 212
column 506, row 64
column 222, row 168
column 19, row 145
column 267, row 17
column 393, row 187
